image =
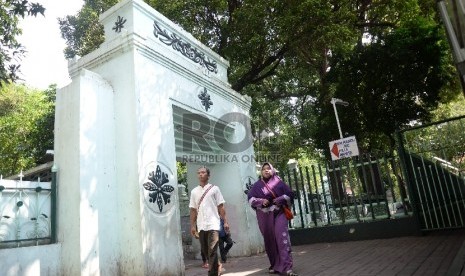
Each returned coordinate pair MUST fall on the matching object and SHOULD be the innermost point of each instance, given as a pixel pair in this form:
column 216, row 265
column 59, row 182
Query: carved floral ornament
column 205, row 99
column 184, row 48
column 157, row 191
column 248, row 182
column 119, row 24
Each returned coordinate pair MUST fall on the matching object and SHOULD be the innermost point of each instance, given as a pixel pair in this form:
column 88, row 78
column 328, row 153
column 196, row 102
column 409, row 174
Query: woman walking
column 268, row 197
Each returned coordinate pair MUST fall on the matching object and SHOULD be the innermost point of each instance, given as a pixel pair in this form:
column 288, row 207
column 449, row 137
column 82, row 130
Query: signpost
column 343, row 148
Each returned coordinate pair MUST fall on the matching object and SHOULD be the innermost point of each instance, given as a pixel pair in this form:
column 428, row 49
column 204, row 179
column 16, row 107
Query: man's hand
column 226, row 227
column 194, row 232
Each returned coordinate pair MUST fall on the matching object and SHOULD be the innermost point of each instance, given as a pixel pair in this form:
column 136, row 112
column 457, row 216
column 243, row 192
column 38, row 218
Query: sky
column 44, row 62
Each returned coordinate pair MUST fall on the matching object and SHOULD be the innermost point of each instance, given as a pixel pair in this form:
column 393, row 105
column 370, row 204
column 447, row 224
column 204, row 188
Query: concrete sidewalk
column 441, row 253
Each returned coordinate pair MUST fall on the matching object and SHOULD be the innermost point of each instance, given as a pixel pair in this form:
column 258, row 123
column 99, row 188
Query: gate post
column 408, row 179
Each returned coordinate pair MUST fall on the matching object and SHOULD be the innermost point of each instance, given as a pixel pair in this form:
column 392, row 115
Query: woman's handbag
column 288, row 213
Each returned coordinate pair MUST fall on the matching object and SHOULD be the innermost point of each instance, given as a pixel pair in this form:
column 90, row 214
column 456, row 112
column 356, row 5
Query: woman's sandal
column 271, row 270
column 290, row 273
column 205, row 265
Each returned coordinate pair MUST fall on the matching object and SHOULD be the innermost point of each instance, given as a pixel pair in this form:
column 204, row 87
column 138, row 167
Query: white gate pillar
column 119, row 129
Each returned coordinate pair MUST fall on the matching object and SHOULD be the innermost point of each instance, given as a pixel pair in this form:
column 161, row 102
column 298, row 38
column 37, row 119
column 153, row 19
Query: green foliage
column 292, row 56
column 26, row 127
column 399, row 78
column 181, row 169
column 454, row 108
column 11, row 51
column 447, row 140
column 83, row 32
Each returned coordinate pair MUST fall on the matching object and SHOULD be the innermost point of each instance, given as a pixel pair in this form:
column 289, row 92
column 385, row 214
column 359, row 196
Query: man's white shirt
column 207, row 214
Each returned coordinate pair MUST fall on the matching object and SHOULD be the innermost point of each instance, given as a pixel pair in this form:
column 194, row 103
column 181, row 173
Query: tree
column 399, row 78
column 11, row 51
column 26, row 127
column 282, row 52
column 254, row 36
column 82, row 32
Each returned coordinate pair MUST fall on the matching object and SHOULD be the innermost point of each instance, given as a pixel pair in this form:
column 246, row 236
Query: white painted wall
column 41, row 260
column 87, row 191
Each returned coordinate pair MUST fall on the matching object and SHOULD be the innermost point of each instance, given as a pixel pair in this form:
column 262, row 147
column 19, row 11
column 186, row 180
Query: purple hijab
column 274, row 183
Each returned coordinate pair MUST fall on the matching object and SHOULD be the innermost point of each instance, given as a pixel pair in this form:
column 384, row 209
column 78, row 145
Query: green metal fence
column 433, row 158
column 353, row 190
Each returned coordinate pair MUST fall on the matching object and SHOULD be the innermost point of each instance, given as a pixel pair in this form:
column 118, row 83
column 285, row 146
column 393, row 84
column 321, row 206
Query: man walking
column 206, row 209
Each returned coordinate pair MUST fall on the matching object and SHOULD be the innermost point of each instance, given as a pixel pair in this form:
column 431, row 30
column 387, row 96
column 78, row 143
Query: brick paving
column 432, row 254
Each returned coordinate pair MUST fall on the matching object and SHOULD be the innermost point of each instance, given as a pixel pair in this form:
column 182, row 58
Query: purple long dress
column 272, row 221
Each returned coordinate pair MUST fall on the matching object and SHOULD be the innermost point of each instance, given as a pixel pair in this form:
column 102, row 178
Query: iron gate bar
column 391, row 185
column 383, row 191
column 373, row 181
column 324, row 193
column 298, row 198
column 310, row 192
column 462, row 193
column 438, row 201
column 456, row 198
column 429, row 190
column 432, row 124
column 401, row 188
column 344, row 193
column 443, row 197
column 408, row 177
column 420, row 198
column 337, row 191
column 26, row 240
column 304, row 191
column 356, row 164
column 450, row 195
column 290, row 187
column 425, row 198
column 365, row 183
column 357, row 216
column 316, row 188
column 317, row 194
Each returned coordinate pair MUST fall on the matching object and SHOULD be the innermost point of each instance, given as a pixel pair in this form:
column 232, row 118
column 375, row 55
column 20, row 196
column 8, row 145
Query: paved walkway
column 433, row 254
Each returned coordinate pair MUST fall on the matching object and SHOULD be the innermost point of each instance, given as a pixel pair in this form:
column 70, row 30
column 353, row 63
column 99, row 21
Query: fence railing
column 434, row 162
column 353, row 190
column 27, row 212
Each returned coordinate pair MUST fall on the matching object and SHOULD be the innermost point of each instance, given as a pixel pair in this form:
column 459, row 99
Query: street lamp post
column 335, row 101
column 452, row 13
